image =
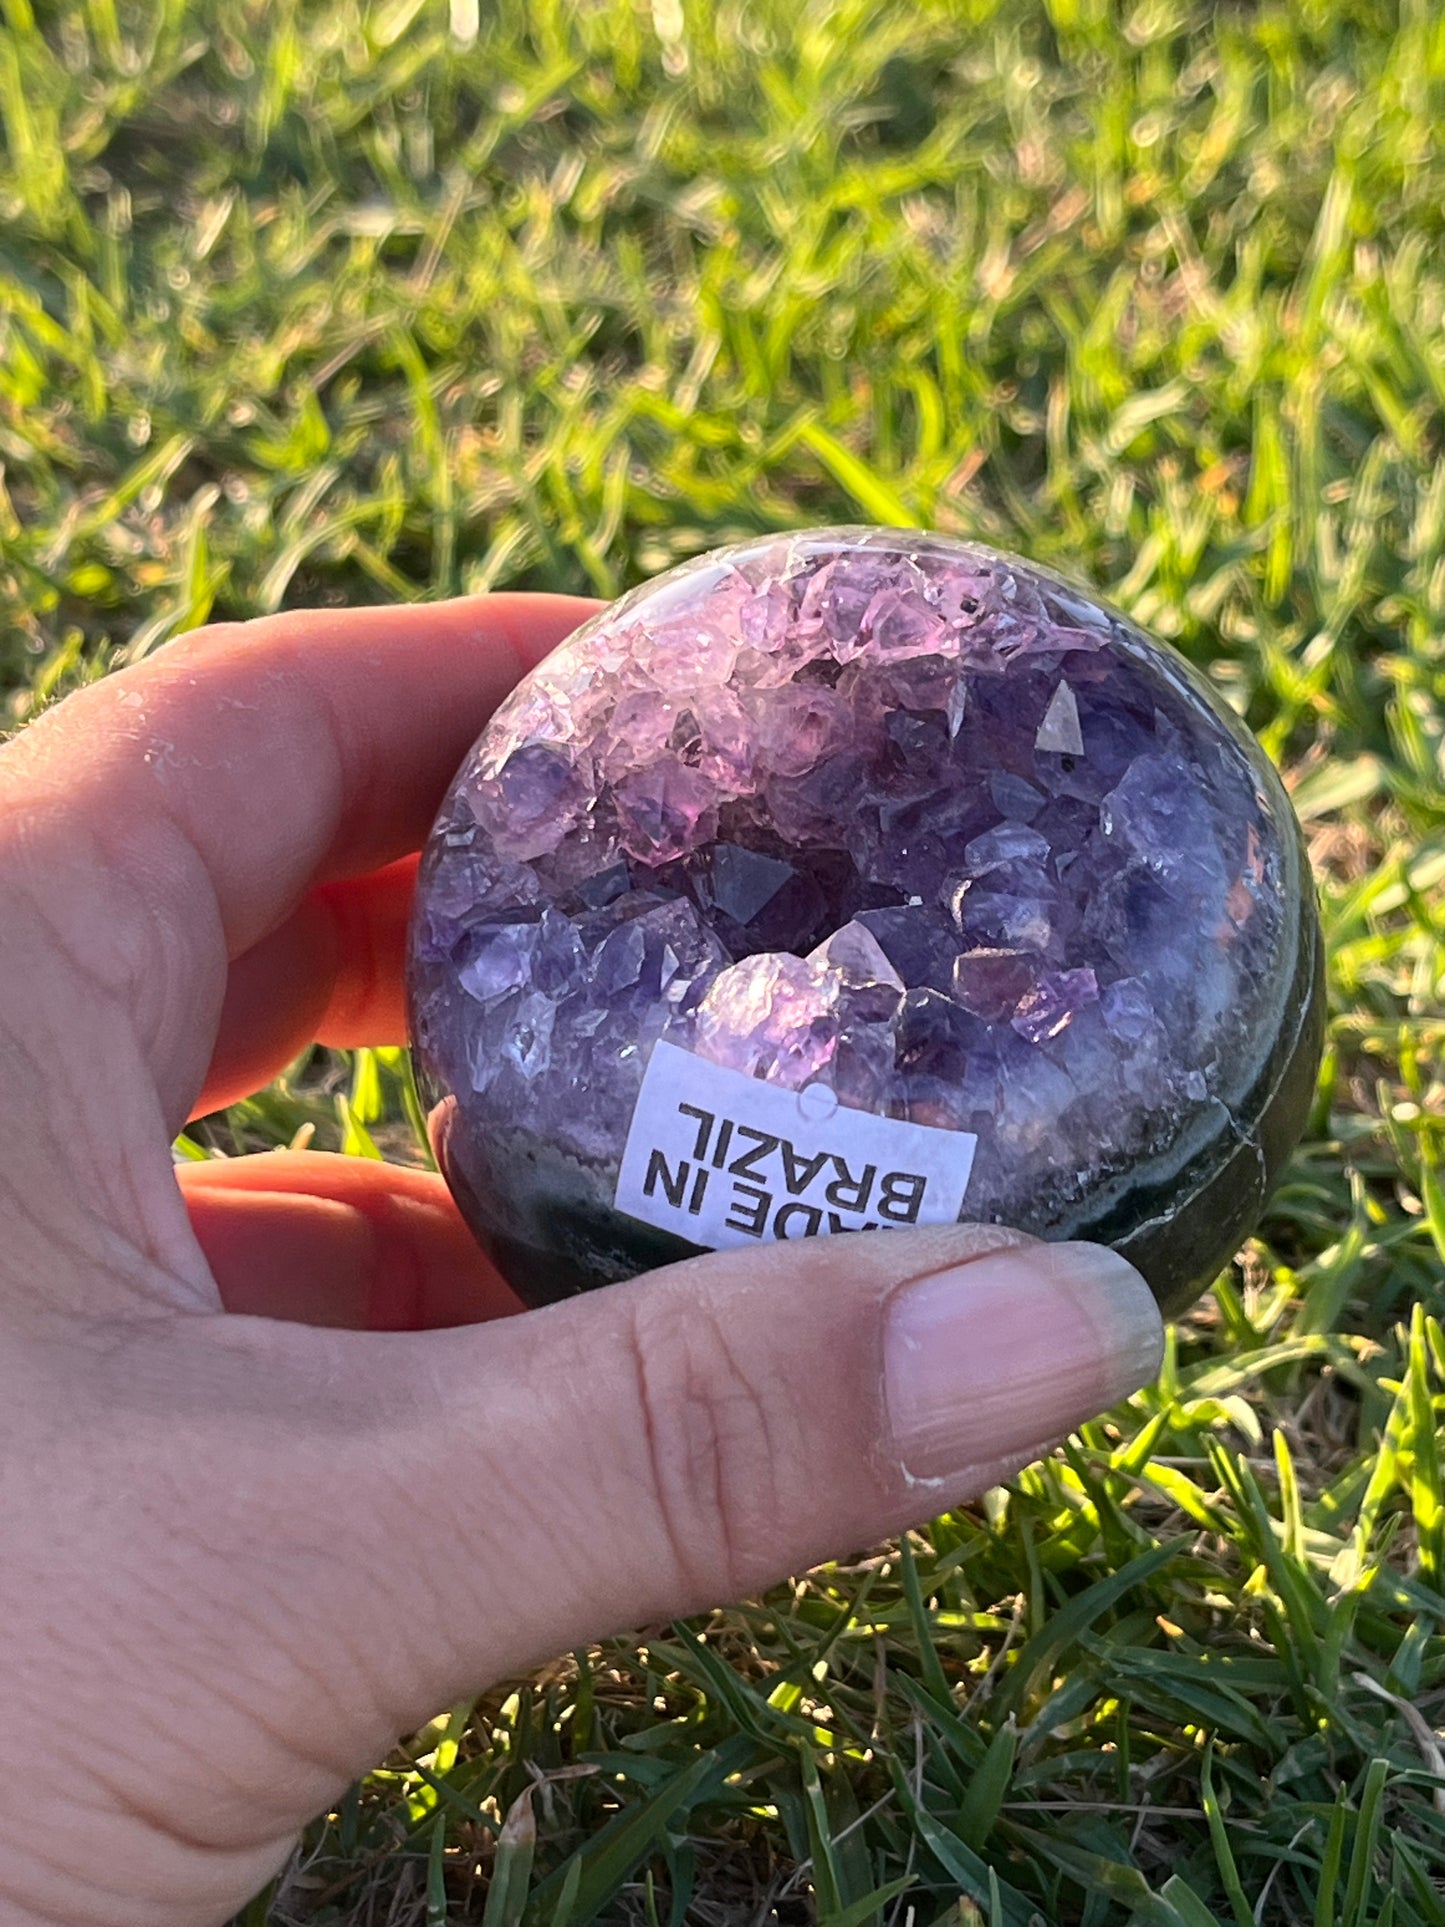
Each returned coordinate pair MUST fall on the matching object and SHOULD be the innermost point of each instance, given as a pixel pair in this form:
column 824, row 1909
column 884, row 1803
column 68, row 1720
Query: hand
column 245, row 1542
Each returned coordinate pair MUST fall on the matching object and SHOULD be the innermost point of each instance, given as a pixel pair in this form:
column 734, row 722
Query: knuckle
column 718, row 1450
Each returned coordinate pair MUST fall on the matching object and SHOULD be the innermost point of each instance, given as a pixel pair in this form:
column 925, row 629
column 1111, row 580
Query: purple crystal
column 771, row 1015
column 993, row 983
column 901, row 825
column 1052, row 1003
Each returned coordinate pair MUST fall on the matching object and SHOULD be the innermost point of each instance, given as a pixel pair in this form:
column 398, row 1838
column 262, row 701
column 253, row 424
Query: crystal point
column 1059, row 731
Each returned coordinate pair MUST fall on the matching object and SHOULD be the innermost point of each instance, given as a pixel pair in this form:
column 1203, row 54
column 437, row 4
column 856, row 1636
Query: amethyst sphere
column 857, row 878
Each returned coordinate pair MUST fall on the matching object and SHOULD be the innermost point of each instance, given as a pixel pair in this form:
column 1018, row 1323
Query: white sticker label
column 723, row 1159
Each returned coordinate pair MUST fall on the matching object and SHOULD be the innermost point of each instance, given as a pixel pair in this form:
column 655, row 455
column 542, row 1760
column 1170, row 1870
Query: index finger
column 165, row 819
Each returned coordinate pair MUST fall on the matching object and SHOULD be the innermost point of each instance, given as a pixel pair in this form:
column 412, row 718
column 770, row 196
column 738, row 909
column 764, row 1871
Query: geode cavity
column 897, row 828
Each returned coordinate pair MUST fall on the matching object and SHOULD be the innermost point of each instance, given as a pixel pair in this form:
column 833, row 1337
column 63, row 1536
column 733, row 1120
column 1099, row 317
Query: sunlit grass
column 331, row 303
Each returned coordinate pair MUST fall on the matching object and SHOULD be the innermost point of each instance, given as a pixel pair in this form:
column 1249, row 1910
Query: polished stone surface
column 896, row 816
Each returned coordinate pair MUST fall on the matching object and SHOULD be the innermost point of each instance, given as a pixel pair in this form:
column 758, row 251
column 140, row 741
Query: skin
column 249, row 1538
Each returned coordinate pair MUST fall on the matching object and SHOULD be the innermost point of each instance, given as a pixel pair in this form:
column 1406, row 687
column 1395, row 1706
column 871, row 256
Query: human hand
column 246, row 1542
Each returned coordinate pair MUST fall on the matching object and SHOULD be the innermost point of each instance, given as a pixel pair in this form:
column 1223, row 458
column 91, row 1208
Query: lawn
column 337, row 303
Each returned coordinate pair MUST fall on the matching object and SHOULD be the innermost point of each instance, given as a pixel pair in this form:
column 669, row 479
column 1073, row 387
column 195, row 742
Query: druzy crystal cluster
column 891, row 817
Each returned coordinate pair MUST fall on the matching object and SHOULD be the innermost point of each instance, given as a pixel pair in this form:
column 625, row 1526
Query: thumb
column 355, row 1528
column 695, row 1435
column 299, row 1542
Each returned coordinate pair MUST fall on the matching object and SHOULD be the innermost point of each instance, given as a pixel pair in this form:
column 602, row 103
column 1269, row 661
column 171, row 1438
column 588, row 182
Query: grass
column 338, row 302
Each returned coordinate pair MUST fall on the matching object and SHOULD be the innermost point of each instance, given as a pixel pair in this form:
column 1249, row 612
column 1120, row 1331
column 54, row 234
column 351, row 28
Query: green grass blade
column 512, row 1864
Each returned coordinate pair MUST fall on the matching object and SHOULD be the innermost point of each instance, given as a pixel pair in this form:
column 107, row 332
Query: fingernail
column 994, row 1358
